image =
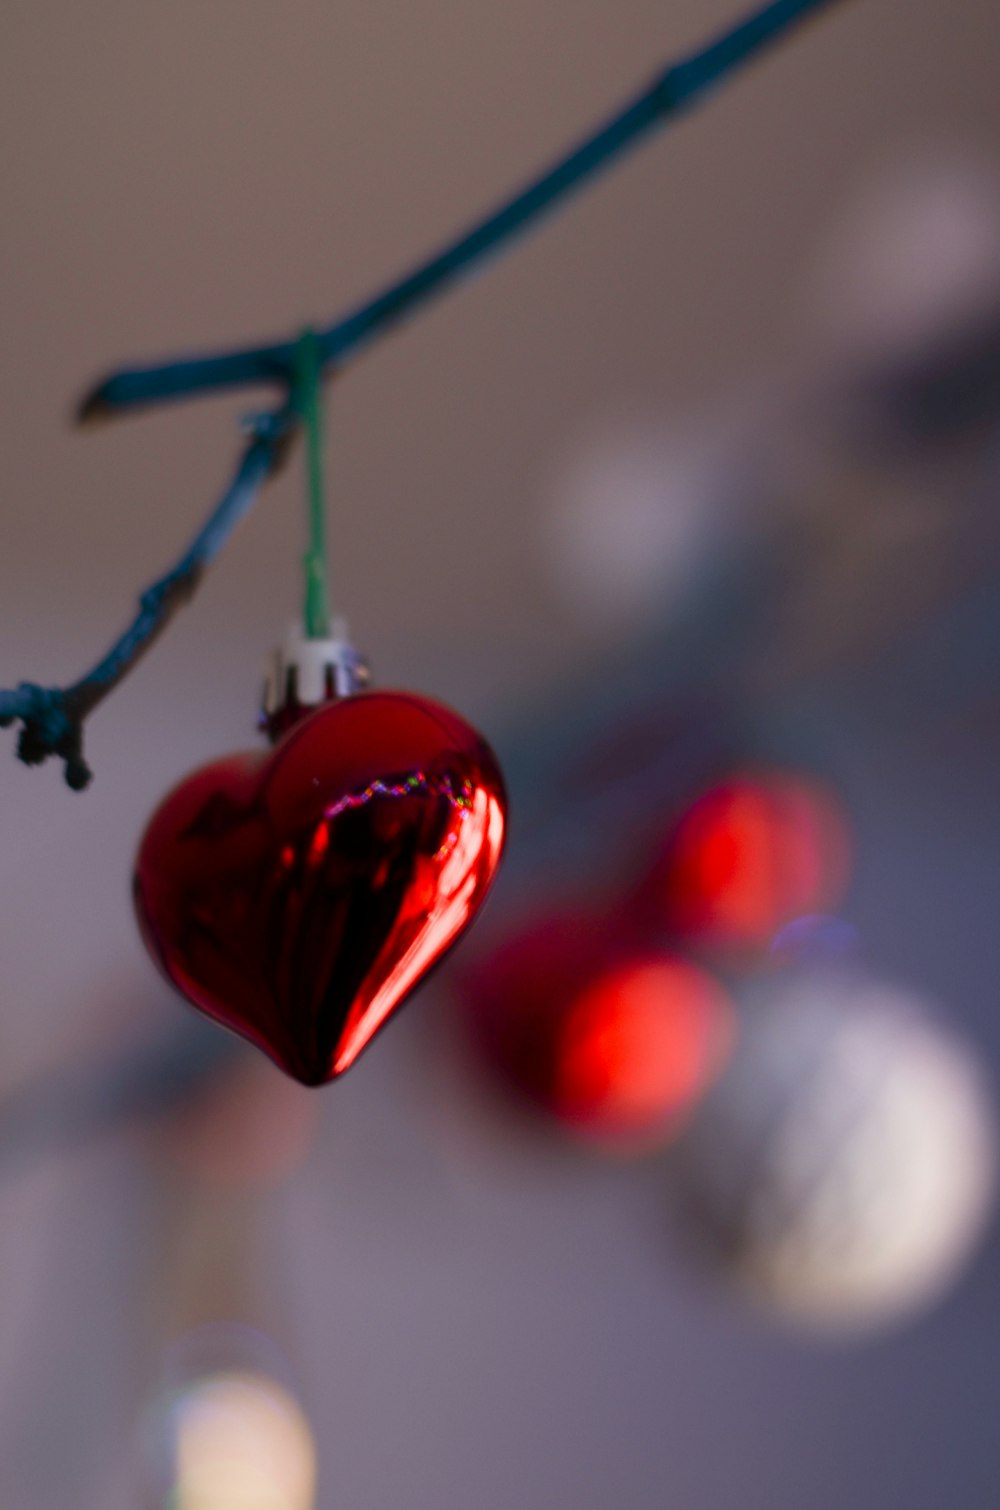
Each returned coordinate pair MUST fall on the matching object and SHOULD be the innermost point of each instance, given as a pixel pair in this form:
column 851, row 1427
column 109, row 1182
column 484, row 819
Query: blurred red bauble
column 298, row 896
column 750, row 855
column 615, row 1043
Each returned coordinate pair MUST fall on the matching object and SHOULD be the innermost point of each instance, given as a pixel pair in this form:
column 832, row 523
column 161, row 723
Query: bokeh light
column 238, row 1440
column 750, row 855
column 815, row 937
column 612, row 1042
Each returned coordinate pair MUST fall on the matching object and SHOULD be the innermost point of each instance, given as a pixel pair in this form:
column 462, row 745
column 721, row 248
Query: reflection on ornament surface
column 844, row 1166
column 749, row 856
column 299, row 896
column 613, row 1042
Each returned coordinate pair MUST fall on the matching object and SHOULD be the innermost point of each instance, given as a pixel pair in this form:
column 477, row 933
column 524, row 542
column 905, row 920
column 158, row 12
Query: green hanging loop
column 308, row 403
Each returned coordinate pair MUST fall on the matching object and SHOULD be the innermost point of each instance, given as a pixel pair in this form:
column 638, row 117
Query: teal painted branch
column 51, row 718
column 672, row 93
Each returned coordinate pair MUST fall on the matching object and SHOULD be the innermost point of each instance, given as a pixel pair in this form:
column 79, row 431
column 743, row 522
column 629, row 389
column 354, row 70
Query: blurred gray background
column 471, row 1324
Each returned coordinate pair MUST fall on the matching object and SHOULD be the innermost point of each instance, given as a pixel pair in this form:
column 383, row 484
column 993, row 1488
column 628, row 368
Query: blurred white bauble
column 242, row 1443
column 631, row 518
column 224, row 1431
column 845, row 1165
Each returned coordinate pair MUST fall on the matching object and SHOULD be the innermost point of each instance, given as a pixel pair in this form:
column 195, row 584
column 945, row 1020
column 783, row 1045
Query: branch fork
column 52, row 718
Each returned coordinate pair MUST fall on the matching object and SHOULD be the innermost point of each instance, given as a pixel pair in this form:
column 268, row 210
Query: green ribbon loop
column 308, row 404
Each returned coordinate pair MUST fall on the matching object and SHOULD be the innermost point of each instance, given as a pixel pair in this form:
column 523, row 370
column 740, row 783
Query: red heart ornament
column 299, row 895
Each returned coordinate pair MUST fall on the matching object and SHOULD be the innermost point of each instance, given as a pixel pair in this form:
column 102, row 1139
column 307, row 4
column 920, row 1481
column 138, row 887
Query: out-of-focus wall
column 474, row 1331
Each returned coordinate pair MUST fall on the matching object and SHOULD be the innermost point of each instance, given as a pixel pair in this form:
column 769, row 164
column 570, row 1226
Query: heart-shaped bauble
column 299, row 895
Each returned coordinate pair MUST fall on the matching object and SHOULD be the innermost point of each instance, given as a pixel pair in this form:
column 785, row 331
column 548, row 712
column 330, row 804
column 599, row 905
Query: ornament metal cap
column 302, row 674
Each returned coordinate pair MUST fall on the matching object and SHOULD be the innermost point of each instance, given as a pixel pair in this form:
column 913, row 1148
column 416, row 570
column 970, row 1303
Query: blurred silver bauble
column 845, row 1165
column 912, row 260
column 633, row 517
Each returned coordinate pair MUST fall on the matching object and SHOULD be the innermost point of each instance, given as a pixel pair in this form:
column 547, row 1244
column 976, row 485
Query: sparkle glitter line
column 419, row 781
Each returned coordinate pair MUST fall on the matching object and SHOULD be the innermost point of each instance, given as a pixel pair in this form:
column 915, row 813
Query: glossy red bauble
column 299, row 895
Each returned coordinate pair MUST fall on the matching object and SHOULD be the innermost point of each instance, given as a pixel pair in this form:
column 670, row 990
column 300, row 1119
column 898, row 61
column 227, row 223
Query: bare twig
column 52, row 717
